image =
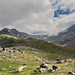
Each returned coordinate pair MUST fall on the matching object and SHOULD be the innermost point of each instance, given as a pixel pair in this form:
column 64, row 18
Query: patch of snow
column 65, row 30
column 18, row 35
column 9, row 30
column 45, row 37
column 64, row 45
column 49, row 41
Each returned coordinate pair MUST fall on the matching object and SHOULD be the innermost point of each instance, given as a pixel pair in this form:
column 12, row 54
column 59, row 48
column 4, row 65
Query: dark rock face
column 65, row 38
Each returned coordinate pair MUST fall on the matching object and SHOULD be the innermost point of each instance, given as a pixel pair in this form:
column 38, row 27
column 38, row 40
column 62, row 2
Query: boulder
column 38, row 67
column 44, row 65
column 21, row 68
column 59, row 62
column 12, row 68
column 43, row 70
column 71, row 73
column 24, row 64
column 58, row 59
column 54, row 67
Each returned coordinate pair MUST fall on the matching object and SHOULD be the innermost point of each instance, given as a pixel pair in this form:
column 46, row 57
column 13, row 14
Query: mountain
column 15, row 33
column 64, row 38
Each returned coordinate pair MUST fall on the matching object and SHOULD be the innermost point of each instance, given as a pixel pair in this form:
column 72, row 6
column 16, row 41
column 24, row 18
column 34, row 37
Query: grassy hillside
column 9, row 36
column 52, row 50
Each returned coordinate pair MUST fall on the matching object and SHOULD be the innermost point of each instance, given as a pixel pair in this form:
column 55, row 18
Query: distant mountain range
column 64, row 38
column 12, row 37
column 15, row 33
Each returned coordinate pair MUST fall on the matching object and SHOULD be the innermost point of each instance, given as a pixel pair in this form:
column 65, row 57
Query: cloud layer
column 36, row 16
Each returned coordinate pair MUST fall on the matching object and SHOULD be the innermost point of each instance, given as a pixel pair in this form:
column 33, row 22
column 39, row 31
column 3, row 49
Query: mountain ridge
column 64, row 38
column 14, row 32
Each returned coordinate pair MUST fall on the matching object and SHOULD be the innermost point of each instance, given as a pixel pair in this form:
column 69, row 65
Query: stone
column 54, row 67
column 3, row 49
column 59, row 62
column 43, row 70
column 43, row 65
column 12, row 68
column 24, row 64
column 34, row 71
column 59, row 68
column 71, row 73
column 58, row 59
column 9, row 51
column 38, row 67
column 4, row 69
column 21, row 68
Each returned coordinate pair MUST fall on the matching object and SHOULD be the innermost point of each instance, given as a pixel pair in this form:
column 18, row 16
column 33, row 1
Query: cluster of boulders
column 44, row 67
column 11, row 50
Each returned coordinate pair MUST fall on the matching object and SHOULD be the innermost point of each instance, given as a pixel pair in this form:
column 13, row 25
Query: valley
column 31, row 56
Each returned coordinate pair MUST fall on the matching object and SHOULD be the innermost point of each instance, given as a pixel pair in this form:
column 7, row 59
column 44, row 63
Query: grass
column 9, row 36
column 32, row 60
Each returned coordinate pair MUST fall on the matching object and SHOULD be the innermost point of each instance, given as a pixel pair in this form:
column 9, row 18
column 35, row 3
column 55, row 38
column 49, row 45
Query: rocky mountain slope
column 65, row 38
column 25, row 57
column 15, row 33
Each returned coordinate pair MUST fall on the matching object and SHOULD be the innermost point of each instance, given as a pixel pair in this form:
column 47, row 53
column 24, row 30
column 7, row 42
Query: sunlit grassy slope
column 9, row 36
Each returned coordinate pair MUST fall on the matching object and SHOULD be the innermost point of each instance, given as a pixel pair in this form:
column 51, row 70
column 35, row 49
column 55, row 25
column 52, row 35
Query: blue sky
column 62, row 12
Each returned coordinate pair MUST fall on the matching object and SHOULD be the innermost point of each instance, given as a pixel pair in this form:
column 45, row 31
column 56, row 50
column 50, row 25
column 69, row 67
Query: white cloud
column 65, row 4
column 36, row 16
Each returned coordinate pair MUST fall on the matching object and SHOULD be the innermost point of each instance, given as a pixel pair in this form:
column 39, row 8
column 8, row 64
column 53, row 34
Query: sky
column 37, row 16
